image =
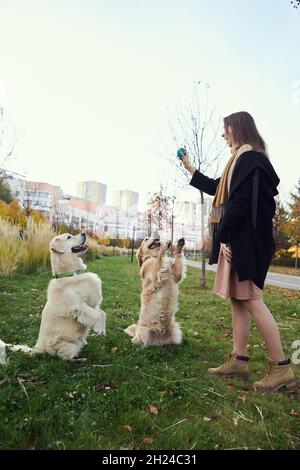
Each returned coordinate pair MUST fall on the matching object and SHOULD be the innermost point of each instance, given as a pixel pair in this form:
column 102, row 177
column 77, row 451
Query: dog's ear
column 56, row 245
column 139, row 256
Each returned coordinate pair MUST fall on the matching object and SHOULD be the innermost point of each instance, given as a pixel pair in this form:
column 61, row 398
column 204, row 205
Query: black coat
column 247, row 223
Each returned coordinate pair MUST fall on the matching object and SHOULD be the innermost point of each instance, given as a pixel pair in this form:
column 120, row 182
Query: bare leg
column 240, row 326
column 267, row 326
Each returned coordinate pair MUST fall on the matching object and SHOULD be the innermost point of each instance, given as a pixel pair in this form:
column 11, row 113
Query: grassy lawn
column 124, row 397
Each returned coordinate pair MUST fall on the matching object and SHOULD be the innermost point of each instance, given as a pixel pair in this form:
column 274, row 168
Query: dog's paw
column 180, row 245
column 137, row 340
column 99, row 330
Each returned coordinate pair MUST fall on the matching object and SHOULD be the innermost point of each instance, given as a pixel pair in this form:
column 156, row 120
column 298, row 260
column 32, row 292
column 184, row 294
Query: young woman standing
column 243, row 246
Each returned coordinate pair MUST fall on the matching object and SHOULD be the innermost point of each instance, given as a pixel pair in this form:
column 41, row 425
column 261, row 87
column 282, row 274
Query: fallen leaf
column 148, row 440
column 112, row 384
column 244, row 388
column 294, row 413
column 206, row 418
column 30, row 446
column 243, row 398
column 127, row 428
column 162, row 393
column 34, row 378
column 114, row 350
column 153, row 409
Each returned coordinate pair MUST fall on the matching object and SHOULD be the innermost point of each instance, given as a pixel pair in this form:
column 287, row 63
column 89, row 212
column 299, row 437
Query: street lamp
column 132, row 242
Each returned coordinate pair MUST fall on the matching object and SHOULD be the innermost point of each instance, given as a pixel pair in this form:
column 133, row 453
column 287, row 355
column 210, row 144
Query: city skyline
column 119, row 221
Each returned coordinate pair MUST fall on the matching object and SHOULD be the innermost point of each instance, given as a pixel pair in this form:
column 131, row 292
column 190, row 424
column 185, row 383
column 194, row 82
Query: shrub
column 10, row 244
column 34, row 254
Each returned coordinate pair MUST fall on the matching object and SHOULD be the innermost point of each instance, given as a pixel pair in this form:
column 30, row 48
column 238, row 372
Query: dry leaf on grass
column 206, row 418
column 153, row 409
column 30, row 446
column 148, row 440
column 127, row 428
column 243, row 398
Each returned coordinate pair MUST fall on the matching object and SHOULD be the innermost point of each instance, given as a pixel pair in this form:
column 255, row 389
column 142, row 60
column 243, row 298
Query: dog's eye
column 68, row 237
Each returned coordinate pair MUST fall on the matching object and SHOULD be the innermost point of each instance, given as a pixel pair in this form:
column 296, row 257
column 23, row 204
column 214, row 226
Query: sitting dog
column 160, row 279
column 73, row 301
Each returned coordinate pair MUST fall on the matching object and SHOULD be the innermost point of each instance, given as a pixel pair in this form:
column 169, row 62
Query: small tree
column 158, row 210
column 8, row 138
column 195, row 126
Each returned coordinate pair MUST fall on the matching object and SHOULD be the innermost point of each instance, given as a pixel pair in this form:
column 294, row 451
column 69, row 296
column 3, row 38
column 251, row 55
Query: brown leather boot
column 279, row 376
column 233, row 367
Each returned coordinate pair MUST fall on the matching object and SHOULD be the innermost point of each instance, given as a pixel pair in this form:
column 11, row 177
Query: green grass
column 47, row 403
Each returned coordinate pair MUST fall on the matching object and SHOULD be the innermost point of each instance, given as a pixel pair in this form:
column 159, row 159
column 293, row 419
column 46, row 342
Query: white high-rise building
column 125, row 200
column 92, row 191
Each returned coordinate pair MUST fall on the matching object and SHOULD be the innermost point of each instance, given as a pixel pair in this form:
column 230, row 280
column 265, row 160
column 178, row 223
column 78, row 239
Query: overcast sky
column 88, row 83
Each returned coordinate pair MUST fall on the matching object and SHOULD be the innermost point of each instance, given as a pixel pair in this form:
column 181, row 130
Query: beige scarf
column 221, row 196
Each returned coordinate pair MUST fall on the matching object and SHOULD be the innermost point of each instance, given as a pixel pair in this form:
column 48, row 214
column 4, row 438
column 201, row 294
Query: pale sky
column 88, row 83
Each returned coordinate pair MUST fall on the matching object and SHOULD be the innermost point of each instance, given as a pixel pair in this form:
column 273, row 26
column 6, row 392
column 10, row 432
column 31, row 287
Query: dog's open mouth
column 154, row 244
column 79, row 248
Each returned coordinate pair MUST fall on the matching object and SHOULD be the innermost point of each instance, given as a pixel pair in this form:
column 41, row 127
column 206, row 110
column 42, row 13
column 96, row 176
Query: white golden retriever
column 160, row 287
column 73, row 301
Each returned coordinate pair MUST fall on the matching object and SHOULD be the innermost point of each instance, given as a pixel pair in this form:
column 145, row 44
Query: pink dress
column 227, row 283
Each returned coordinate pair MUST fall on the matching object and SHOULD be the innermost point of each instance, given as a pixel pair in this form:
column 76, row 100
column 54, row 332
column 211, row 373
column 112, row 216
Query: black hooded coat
column 247, row 223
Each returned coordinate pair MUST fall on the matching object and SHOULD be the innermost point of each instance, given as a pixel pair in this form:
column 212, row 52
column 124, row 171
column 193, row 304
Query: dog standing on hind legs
column 161, row 277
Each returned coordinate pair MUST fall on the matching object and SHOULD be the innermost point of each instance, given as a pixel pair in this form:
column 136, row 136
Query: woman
column 243, row 246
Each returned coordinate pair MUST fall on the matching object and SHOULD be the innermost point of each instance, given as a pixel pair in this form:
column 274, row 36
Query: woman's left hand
column 226, row 250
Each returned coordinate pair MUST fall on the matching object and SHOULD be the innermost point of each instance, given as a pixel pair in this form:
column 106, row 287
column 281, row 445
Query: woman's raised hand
column 187, row 164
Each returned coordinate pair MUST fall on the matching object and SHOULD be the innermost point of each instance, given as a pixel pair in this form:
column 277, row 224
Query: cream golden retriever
column 160, row 287
column 73, row 301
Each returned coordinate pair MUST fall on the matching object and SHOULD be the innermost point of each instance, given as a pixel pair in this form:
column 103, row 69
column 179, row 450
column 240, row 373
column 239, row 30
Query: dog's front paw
column 180, row 245
column 137, row 340
column 99, row 329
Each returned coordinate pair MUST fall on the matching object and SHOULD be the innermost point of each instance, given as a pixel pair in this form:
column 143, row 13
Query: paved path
column 275, row 279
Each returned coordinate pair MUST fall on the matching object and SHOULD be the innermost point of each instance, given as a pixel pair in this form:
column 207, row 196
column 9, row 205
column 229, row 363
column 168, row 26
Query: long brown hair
column 244, row 131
